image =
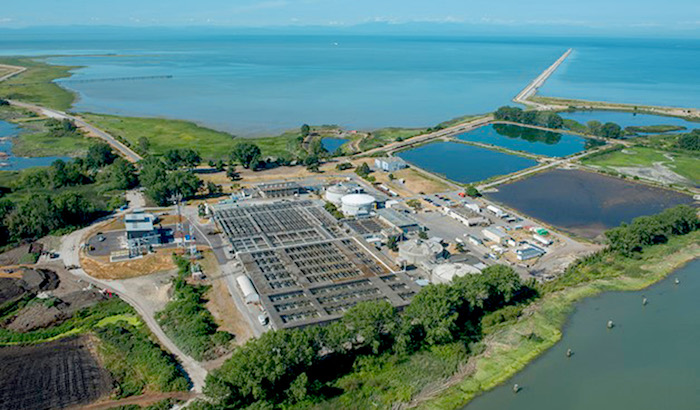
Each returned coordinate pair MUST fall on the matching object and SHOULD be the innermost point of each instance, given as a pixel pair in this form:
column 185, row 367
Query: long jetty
column 524, row 96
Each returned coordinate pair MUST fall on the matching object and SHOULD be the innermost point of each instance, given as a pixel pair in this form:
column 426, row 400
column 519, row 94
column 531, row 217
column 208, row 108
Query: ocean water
column 648, row 361
column 262, row 84
column 648, row 71
column 464, row 163
column 534, row 141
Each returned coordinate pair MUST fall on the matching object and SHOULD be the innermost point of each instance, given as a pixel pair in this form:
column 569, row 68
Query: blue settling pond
column 627, row 119
column 534, row 141
column 9, row 131
column 332, row 144
column 464, row 163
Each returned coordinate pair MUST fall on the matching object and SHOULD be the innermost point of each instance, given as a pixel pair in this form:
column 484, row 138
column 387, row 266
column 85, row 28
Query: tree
column 363, row 170
column 343, row 166
column 4, row 102
column 232, row 174
column 435, row 309
column 144, row 144
column 305, row 130
column 247, row 154
column 391, row 177
column 311, row 162
column 99, row 155
column 689, row 141
column 371, row 324
column 594, row 127
column 121, row 174
column 214, row 189
column 415, row 204
column 507, row 113
column 422, row 235
column 472, row 192
column 392, row 243
column 183, row 157
column 611, row 130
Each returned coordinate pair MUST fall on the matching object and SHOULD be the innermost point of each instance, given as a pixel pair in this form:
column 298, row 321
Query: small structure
column 249, row 293
column 529, row 252
column 140, row 228
column 496, row 211
column 357, row 204
column 495, row 235
column 474, row 240
column 446, row 272
column 279, row 190
column 541, row 239
column 390, row 164
column 398, row 220
column 418, row 252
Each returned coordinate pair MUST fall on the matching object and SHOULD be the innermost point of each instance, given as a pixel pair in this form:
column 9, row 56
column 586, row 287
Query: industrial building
column 279, row 189
column 301, row 266
column 140, row 228
column 398, row 220
column 357, row 204
column 495, row 234
column 390, row 164
column 529, row 252
column 467, row 216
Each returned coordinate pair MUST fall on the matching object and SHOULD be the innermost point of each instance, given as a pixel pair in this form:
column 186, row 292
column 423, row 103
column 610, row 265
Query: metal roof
column 395, row 218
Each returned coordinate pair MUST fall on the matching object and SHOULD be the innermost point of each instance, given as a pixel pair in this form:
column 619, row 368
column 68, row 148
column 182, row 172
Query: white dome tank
column 357, row 204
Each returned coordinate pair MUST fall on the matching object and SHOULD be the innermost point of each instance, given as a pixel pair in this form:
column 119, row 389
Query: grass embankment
column 510, row 346
column 36, row 85
column 571, row 103
column 383, row 136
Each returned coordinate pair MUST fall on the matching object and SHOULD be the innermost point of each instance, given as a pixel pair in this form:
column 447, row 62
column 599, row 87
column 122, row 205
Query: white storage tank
column 419, row 252
column 446, row 272
column 249, row 292
column 357, row 204
column 335, row 193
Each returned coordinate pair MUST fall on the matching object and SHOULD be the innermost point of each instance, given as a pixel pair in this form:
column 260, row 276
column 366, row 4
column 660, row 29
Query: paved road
column 531, row 89
column 15, row 71
column 125, row 151
column 70, row 253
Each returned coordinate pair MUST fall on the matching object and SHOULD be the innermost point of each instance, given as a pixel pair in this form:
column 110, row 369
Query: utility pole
column 177, row 199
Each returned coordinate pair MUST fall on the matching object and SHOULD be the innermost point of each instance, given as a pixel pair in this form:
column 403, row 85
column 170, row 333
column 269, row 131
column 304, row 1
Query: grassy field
column 683, row 164
column 36, row 84
column 37, row 141
column 384, row 136
column 507, row 349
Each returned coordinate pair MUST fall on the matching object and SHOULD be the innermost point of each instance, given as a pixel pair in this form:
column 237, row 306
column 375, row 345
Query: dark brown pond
column 585, row 203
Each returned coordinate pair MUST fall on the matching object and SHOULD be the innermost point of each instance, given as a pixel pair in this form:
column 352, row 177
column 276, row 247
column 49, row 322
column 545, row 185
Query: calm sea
column 260, row 85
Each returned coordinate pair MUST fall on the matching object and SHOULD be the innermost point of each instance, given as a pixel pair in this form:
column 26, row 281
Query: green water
column 650, row 360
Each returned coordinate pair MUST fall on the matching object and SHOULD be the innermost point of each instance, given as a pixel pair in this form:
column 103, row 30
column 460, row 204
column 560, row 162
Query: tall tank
column 419, row 252
column 357, row 204
column 335, row 193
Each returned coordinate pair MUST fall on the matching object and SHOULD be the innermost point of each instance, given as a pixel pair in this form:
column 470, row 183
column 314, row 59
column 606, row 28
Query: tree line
column 284, row 367
column 553, row 120
column 650, row 230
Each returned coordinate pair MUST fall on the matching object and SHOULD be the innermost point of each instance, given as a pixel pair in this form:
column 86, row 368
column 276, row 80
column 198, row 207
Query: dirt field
column 221, row 305
column 51, row 375
column 101, row 268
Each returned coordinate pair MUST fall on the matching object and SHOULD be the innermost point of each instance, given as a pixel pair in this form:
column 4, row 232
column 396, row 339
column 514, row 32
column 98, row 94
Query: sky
column 614, row 15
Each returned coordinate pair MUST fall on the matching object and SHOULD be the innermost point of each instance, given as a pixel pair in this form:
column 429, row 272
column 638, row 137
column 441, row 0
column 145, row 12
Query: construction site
column 302, row 266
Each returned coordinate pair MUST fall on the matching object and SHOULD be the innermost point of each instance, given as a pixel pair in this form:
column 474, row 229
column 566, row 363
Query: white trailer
column 249, row 293
column 541, row 239
column 496, row 211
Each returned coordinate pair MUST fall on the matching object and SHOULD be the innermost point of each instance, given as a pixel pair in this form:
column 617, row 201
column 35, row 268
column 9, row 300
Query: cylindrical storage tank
column 249, row 292
column 357, row 204
column 445, row 273
column 335, row 193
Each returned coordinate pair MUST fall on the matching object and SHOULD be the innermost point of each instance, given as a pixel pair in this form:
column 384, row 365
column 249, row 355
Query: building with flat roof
column 390, row 164
column 140, row 226
column 494, row 234
column 529, row 252
column 398, row 220
column 279, row 189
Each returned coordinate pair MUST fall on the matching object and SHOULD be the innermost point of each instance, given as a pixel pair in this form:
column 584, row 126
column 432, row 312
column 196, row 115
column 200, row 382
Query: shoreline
column 549, row 316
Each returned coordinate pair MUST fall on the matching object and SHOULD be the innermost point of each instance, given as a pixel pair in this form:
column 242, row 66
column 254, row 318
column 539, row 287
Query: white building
column 390, row 164
column 357, row 204
column 494, row 234
column 529, row 252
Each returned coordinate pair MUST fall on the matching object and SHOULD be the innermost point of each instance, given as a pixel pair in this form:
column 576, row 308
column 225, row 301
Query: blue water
column 648, row 71
column 332, row 144
column 626, row 119
column 551, row 144
column 17, row 163
column 263, row 84
column 464, row 163
column 648, row 361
